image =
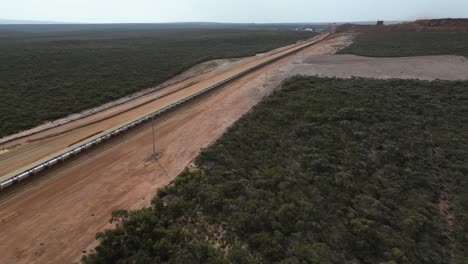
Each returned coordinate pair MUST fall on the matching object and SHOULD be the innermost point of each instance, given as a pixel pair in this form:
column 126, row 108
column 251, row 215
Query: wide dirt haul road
column 55, row 143
column 54, row 217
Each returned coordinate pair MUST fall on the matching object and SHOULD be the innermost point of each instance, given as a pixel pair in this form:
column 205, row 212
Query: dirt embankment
column 428, row 25
column 202, row 68
column 192, row 75
column 40, row 146
column 54, row 218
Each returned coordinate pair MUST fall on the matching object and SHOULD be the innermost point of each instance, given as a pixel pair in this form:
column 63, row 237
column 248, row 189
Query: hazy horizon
column 20, row 21
column 240, row 11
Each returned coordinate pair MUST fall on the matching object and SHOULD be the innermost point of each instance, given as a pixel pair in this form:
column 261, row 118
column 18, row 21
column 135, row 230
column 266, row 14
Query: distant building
column 308, row 29
column 380, row 23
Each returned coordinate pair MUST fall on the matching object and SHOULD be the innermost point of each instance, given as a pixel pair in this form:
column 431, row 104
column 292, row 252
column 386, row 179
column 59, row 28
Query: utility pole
column 154, row 138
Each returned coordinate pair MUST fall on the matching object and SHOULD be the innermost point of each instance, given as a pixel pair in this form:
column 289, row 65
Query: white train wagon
column 6, row 184
column 22, row 176
column 75, row 151
column 53, row 161
column 38, row 168
column 65, row 156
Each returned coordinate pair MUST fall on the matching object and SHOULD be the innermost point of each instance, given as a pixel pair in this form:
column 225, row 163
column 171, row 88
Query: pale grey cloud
column 101, row 11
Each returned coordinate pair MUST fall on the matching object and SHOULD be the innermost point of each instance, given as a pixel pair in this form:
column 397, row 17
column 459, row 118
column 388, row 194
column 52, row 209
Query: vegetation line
column 405, row 44
column 46, row 76
column 323, row 171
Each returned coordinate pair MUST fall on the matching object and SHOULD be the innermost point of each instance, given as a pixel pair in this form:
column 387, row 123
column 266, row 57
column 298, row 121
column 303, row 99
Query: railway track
column 52, row 159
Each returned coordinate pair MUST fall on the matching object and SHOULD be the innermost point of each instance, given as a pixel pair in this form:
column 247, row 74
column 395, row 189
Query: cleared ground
column 325, row 170
column 42, row 145
column 346, row 66
column 214, row 65
column 45, row 75
column 401, row 44
column 71, row 203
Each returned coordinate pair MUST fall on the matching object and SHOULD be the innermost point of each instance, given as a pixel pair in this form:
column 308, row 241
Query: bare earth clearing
column 345, row 66
column 42, row 146
column 55, row 217
column 214, row 65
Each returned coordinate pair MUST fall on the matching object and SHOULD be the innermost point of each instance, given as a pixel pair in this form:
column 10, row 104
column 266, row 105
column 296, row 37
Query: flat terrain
column 71, row 203
column 346, row 66
column 324, row 170
column 46, row 74
column 403, row 44
column 205, row 67
column 41, row 145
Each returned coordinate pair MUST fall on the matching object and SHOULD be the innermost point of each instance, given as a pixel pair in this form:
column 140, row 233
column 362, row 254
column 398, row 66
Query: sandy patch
column 69, row 204
column 74, row 201
column 346, row 66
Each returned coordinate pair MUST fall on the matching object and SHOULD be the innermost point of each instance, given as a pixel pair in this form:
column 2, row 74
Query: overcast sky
column 260, row 11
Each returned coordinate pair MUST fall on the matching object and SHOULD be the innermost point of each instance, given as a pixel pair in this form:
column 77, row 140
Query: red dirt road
column 53, row 218
column 52, row 141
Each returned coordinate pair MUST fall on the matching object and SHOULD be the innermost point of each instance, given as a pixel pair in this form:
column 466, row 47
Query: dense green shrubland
column 48, row 75
column 322, row 171
column 400, row 44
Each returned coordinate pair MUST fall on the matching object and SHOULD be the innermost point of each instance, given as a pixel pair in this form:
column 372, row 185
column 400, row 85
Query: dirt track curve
column 54, row 217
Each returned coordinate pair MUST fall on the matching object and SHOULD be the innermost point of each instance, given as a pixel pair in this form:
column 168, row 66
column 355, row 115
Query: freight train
column 112, row 132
